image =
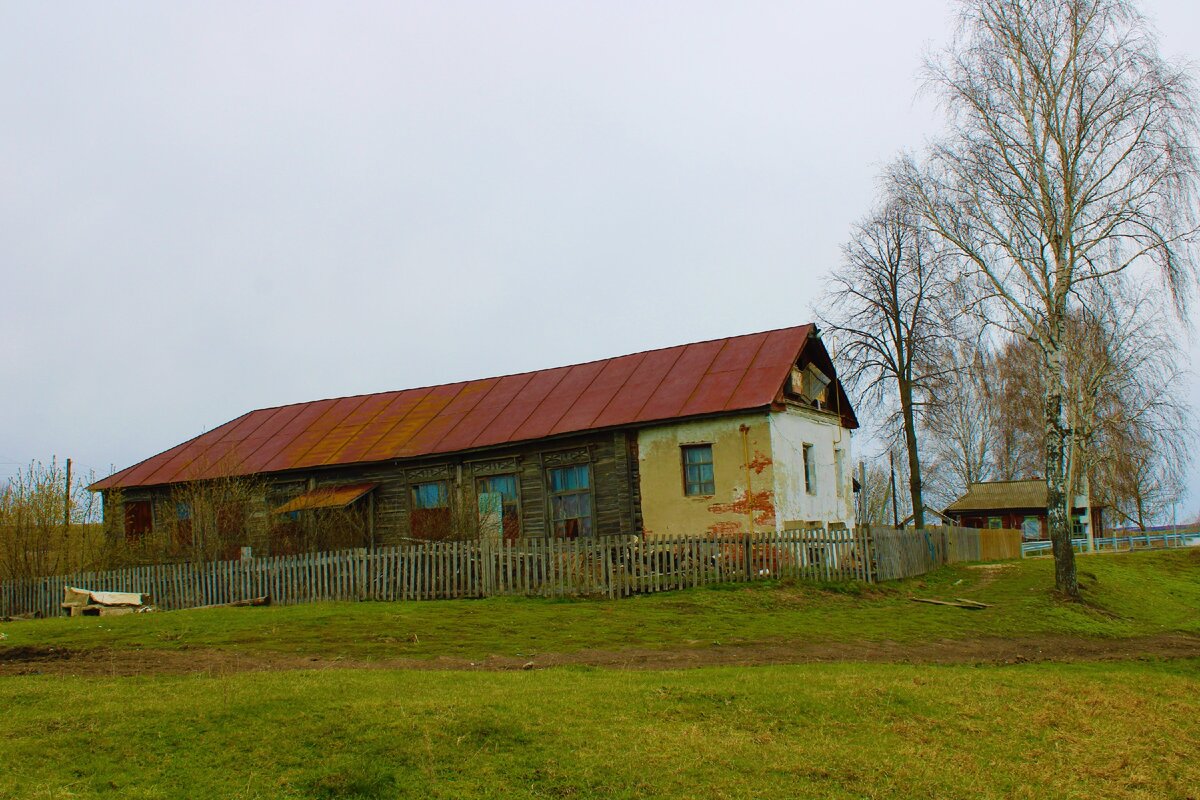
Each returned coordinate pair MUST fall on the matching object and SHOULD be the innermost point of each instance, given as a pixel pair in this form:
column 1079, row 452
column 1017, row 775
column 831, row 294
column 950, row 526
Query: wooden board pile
column 84, row 603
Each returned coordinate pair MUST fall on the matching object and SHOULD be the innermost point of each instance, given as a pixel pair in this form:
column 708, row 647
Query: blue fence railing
column 1130, row 542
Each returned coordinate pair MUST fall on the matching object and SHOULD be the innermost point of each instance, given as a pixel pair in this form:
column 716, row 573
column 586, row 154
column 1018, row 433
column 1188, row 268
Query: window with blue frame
column 698, row 470
column 570, row 501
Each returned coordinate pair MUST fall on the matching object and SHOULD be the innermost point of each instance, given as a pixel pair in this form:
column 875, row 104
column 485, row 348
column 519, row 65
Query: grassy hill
column 308, row 701
column 1128, row 595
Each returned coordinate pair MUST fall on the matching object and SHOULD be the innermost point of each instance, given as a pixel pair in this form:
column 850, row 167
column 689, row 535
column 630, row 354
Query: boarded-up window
column 431, row 510
column 571, row 501
column 1031, row 528
column 139, row 519
column 698, row 470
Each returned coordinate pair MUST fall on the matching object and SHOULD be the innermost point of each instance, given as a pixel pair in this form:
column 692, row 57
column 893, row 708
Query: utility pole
column 895, row 512
column 862, row 493
column 67, row 499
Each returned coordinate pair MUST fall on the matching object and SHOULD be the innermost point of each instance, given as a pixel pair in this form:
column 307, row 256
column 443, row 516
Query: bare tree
column 1129, row 426
column 884, row 309
column 1071, row 159
column 961, row 422
column 1017, row 397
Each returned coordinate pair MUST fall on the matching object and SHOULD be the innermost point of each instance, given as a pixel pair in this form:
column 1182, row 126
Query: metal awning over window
column 325, row 497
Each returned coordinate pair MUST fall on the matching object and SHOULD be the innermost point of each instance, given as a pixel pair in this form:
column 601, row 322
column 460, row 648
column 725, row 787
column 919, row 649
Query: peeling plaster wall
column 790, row 430
column 667, row 512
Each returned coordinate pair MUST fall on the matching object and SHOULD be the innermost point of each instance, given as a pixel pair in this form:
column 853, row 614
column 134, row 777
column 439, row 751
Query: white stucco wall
column 790, row 430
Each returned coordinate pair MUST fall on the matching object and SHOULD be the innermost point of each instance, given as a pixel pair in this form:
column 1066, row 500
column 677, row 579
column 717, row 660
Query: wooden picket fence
column 907, row 552
column 611, row 567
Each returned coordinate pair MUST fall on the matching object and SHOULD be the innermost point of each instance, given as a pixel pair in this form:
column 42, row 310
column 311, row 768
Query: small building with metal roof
column 745, row 433
column 1016, row 505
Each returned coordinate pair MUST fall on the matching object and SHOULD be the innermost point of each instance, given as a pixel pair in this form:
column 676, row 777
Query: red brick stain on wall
column 760, row 462
column 761, row 504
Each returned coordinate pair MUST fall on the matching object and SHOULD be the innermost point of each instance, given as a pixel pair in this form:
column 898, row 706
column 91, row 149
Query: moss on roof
column 997, row 495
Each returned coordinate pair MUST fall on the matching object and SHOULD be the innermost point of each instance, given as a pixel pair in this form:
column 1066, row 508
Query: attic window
column 810, row 384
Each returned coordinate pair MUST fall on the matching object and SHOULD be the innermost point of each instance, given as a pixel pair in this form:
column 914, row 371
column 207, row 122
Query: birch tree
column 884, row 309
column 1070, row 160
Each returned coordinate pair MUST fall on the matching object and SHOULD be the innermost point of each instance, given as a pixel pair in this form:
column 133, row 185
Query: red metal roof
column 723, row 375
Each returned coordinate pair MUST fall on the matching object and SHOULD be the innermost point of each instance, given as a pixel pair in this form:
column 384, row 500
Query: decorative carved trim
column 438, row 472
column 558, row 458
column 497, row 466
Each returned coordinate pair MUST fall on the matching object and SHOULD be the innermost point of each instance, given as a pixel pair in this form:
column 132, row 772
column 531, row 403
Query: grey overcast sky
column 207, row 208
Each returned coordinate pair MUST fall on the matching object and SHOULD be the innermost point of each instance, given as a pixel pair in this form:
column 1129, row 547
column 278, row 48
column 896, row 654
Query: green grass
column 1125, row 730
column 844, row 730
column 1127, row 595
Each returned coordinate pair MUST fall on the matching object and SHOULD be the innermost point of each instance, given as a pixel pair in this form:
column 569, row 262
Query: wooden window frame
column 415, row 509
column 684, row 464
column 516, row 476
column 130, row 519
column 807, row 455
column 552, row 527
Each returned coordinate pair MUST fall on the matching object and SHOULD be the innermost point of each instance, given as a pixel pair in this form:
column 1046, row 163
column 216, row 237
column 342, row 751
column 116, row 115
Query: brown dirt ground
column 27, row 660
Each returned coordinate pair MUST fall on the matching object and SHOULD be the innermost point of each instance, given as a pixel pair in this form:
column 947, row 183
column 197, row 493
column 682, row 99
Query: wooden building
column 1016, row 505
column 746, row 433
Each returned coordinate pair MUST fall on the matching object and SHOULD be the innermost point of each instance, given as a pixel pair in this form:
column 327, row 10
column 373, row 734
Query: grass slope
column 816, row 731
column 1128, row 595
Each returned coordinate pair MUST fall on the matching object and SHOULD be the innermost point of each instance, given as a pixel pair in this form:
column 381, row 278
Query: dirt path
column 112, row 663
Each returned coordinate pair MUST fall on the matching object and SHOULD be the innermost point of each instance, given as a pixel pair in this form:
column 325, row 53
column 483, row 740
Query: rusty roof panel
column 397, row 408
column 354, row 427
column 778, row 347
column 737, row 353
column 476, row 422
column 680, row 382
column 755, row 385
column 713, row 391
column 521, row 408
column 723, row 375
column 266, row 436
column 277, row 451
column 574, row 385
column 466, row 401
column 312, row 447
column 165, row 470
column 599, row 393
column 395, row 442
column 638, row 387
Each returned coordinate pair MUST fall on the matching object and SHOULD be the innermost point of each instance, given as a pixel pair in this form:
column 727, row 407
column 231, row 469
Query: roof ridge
column 413, row 422
column 531, row 371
